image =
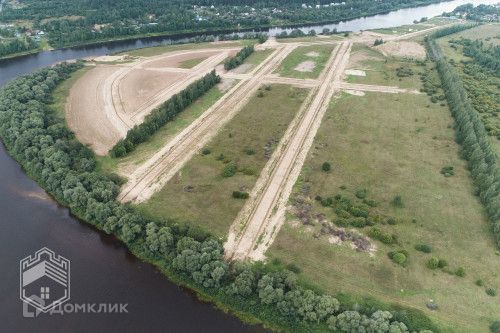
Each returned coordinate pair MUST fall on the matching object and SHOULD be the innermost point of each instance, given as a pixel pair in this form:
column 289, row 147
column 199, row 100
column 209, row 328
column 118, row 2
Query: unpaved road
column 262, row 216
column 156, row 172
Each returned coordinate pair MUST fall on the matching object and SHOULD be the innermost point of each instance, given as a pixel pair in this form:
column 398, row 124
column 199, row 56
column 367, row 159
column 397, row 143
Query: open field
column 394, row 145
column 405, row 29
column 382, row 70
column 305, row 62
column 61, row 93
column 158, row 50
column 198, row 194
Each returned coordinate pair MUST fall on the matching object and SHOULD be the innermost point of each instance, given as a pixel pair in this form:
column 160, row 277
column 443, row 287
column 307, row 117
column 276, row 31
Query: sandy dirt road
column 262, row 216
column 156, row 172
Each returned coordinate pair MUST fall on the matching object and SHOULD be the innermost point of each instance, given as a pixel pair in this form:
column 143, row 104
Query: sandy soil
column 402, row 49
column 139, row 86
column 85, row 111
column 313, row 54
column 260, row 220
column 108, row 58
column 355, row 72
column 305, row 66
column 176, row 59
column 355, row 92
column 110, row 99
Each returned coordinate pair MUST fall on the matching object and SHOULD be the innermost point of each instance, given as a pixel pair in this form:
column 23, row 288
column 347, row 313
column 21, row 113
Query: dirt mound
column 403, row 49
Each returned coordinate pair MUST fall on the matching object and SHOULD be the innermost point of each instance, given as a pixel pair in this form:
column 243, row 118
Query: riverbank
column 233, row 29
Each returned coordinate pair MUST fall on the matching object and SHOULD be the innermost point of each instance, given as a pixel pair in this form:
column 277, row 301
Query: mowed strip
column 156, row 172
column 199, row 194
column 257, row 224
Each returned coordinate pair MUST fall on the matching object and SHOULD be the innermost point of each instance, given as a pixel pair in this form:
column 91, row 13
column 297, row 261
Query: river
column 102, row 270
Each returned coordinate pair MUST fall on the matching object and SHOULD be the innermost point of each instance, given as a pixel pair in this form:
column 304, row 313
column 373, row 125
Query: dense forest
column 471, row 133
column 50, row 154
column 85, row 21
column 17, row 45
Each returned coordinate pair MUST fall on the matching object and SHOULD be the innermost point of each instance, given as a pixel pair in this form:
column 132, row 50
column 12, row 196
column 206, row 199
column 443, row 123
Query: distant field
column 306, row 62
column 381, row 70
column 199, row 194
column 393, row 145
column 404, row 29
column 255, row 59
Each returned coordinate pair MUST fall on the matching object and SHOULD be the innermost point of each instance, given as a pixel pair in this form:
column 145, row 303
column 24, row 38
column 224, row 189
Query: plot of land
column 299, row 64
column 394, row 145
column 199, row 194
column 381, row 70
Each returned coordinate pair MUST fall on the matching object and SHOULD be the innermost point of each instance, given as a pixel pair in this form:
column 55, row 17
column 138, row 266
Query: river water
column 102, row 270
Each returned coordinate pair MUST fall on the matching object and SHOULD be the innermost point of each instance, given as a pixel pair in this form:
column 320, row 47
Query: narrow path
column 262, row 216
column 152, row 175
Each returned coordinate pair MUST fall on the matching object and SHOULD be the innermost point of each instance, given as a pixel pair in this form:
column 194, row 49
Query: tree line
column 164, row 114
column 50, row 154
column 487, row 57
column 17, row 45
column 470, row 134
column 238, row 59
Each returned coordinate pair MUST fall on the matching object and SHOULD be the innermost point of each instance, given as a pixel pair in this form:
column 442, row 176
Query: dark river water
column 102, row 270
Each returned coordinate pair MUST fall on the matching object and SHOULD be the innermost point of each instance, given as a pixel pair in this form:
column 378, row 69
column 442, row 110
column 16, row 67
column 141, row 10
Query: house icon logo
column 44, row 280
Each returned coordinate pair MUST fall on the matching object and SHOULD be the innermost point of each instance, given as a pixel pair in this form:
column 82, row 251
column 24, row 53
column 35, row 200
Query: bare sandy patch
column 108, row 58
column 85, row 111
column 305, row 66
column 226, row 84
column 355, row 72
column 403, row 49
column 139, row 86
column 355, row 92
column 175, row 60
column 313, row 54
column 242, row 69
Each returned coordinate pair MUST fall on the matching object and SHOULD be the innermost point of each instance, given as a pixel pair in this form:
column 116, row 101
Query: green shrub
column 442, row 263
column 495, row 327
column 293, row 268
column 358, row 222
column 460, row 272
column 326, row 167
column 327, row 202
column 423, row 248
column 221, row 157
column 433, row 263
column 385, row 238
column 370, row 202
column 491, row 292
column 205, row 151
column 391, row 221
column 229, row 170
column 397, row 201
column 361, row 193
column 399, row 257
column 447, row 171
column 249, row 151
column 479, row 282
column 240, row 195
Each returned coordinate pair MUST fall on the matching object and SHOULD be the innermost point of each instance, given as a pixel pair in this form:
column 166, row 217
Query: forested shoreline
column 88, row 22
column 50, row 154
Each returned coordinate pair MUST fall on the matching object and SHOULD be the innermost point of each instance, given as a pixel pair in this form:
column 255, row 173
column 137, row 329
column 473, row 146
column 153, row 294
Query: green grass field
column 256, row 58
column 302, row 54
column 396, row 145
column 381, row 70
column 198, row 194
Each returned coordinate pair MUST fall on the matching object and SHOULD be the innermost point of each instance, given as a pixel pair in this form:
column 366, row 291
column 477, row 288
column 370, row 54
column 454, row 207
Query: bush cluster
column 238, row 59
